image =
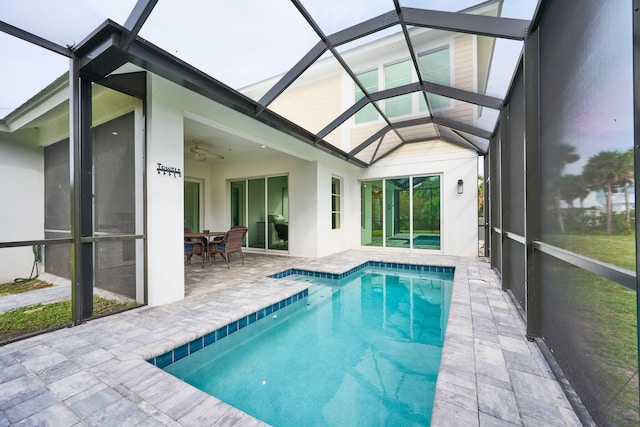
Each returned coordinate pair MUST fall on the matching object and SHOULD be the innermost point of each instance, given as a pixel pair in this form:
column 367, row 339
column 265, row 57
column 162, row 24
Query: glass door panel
column 397, row 223
column 278, row 213
column 238, row 206
column 192, row 206
column 371, row 213
column 426, row 212
column 256, row 213
column 238, row 203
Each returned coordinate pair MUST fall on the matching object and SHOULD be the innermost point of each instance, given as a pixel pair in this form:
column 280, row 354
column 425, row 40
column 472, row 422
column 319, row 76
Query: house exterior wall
column 22, row 215
column 302, row 201
column 22, row 163
column 309, row 173
column 165, row 194
column 312, row 102
column 459, row 218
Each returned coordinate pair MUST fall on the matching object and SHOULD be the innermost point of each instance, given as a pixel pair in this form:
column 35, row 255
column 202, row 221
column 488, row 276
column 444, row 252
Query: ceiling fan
column 201, row 154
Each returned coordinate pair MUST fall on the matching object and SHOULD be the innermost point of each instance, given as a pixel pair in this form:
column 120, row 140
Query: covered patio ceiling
column 247, row 55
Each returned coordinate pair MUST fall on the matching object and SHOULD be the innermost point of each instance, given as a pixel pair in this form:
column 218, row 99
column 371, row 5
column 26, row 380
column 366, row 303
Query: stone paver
column 96, row 373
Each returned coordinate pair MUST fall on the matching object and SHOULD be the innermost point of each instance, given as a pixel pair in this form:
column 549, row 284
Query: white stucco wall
column 22, row 215
column 165, row 194
column 347, row 236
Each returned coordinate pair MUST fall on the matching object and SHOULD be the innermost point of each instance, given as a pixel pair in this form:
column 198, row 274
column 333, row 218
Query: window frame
column 336, row 208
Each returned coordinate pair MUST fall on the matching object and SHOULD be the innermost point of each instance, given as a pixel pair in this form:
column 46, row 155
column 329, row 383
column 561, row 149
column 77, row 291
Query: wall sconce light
column 460, row 186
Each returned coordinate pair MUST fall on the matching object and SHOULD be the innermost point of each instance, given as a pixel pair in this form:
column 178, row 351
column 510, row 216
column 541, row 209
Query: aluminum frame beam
column 136, row 20
column 507, row 28
column 37, row 40
column 453, row 124
column 433, row 88
column 533, row 204
column 81, row 194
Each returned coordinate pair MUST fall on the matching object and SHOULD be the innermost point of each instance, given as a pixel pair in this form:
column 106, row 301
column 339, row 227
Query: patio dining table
column 205, row 236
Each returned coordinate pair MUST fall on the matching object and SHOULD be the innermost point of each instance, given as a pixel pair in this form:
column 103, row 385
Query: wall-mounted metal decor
column 162, row 169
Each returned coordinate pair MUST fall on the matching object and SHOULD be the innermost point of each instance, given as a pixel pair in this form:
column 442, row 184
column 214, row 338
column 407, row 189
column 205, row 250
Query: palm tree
column 572, row 187
column 604, row 171
column 562, row 155
column 628, row 178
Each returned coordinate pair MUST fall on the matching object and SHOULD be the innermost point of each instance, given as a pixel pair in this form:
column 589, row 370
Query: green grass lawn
column 606, row 314
column 12, row 288
column 28, row 320
column 617, row 250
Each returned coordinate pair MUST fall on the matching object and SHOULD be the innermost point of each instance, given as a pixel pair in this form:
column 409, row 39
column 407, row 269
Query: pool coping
column 370, row 263
column 163, row 360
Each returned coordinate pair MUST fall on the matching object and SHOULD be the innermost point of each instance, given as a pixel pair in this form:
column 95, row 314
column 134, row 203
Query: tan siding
column 360, row 133
column 311, row 105
column 463, row 78
column 463, row 68
column 421, row 148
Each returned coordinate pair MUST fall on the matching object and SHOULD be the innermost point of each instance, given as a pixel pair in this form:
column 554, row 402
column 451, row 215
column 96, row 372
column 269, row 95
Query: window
column 435, row 68
column 398, row 75
column 370, row 82
column 335, row 203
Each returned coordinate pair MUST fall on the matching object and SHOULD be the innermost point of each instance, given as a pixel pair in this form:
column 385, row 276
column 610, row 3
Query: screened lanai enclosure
column 543, row 93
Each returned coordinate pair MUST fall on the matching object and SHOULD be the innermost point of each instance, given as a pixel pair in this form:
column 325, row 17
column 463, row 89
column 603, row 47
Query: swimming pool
column 359, row 350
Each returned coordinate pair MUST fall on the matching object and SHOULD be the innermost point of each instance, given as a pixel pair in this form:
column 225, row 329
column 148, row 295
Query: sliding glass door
column 264, row 209
column 278, row 213
column 401, row 212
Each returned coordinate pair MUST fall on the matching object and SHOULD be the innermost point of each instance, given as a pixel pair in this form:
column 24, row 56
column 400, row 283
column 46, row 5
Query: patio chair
column 282, row 230
column 193, row 247
column 232, row 242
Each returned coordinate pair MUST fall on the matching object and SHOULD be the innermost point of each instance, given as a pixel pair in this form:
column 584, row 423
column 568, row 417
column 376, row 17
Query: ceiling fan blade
column 200, row 153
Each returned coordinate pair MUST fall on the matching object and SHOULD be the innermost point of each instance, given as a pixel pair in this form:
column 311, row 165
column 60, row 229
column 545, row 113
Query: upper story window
column 395, row 75
column 434, row 67
column 370, row 82
column 335, row 203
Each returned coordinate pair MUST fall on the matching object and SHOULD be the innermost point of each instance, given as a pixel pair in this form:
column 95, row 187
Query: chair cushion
column 188, row 248
column 222, row 246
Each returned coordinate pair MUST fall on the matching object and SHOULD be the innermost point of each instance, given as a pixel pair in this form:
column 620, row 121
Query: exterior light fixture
column 460, row 186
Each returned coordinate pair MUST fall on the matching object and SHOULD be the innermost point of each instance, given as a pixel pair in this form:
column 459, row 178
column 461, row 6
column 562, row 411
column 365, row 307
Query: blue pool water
column 363, row 350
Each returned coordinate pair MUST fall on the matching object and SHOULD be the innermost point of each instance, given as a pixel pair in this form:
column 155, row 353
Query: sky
column 229, row 40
